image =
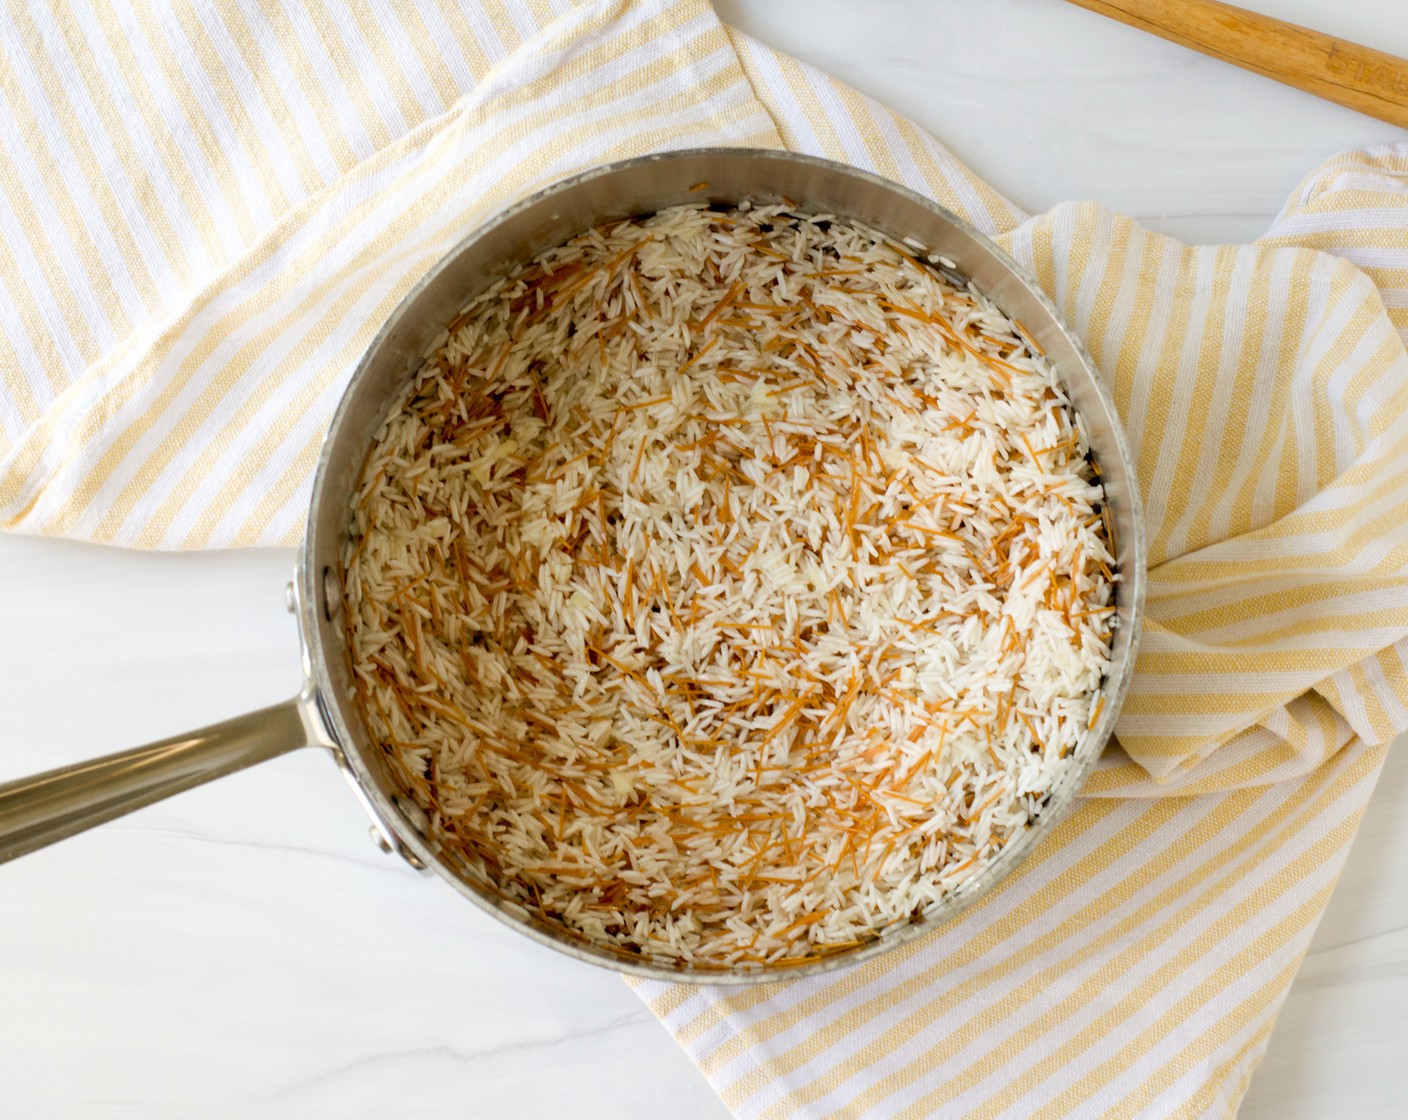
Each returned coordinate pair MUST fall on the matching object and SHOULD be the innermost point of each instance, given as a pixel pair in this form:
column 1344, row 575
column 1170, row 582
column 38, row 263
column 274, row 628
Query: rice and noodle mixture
column 729, row 585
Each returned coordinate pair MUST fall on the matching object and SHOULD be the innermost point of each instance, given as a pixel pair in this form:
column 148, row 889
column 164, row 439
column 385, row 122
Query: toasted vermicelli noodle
column 729, row 585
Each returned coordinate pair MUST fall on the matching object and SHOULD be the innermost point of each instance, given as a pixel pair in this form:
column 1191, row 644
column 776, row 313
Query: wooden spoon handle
column 1348, row 74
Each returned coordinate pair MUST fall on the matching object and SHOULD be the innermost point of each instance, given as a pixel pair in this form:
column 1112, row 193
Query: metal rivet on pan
column 330, row 595
column 385, row 843
column 290, row 598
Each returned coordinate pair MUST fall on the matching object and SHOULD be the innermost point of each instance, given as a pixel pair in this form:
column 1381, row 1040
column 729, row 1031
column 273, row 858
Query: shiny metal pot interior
column 40, row 810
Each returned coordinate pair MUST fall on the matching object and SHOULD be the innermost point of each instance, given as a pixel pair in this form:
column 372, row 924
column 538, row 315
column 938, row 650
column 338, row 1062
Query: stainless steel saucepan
column 38, row 811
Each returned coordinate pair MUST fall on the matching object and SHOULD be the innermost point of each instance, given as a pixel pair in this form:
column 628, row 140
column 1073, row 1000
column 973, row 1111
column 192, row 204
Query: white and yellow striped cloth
column 206, row 211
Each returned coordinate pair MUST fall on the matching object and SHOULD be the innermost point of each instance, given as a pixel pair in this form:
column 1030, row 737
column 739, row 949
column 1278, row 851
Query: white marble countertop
column 244, row 950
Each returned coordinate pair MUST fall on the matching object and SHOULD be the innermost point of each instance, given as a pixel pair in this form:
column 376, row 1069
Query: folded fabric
column 199, row 250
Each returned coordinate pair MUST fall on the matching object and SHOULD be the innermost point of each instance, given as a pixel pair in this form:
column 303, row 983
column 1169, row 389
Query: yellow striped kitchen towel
column 206, row 211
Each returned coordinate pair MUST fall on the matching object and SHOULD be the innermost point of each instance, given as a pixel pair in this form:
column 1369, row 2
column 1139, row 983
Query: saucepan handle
column 39, row 811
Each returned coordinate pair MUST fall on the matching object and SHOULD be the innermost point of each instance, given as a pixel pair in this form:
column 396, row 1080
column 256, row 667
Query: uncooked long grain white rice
column 729, row 586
